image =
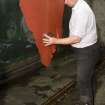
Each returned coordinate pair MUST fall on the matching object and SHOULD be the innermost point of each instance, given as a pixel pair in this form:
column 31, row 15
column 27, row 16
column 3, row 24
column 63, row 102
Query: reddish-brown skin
column 43, row 16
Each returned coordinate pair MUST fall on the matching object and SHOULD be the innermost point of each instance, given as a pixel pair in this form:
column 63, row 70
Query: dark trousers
column 86, row 61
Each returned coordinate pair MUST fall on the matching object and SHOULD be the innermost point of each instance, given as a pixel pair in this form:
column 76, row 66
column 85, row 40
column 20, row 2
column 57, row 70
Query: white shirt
column 83, row 24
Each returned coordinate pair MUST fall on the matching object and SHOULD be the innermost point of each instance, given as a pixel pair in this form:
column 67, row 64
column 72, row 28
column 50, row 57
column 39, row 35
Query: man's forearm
column 47, row 40
column 68, row 40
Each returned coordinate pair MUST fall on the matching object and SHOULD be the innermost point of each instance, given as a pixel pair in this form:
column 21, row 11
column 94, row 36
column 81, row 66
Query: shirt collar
column 77, row 4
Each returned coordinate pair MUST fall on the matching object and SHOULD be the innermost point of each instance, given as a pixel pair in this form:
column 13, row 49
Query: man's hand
column 47, row 40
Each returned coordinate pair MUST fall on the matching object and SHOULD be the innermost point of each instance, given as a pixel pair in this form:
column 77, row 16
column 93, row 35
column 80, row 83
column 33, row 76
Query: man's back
column 83, row 24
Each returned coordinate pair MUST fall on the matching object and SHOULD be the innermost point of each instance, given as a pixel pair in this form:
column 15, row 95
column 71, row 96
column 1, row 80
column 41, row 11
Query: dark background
column 15, row 39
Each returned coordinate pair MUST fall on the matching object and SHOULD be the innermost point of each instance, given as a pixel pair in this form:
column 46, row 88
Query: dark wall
column 9, row 16
column 13, row 41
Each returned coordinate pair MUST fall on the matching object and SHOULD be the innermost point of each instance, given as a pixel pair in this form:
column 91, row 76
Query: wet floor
column 35, row 89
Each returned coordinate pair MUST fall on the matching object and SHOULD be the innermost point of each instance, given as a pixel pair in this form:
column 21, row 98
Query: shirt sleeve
column 78, row 24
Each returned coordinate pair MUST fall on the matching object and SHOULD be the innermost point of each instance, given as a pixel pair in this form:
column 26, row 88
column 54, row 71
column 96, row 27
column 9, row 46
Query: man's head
column 70, row 3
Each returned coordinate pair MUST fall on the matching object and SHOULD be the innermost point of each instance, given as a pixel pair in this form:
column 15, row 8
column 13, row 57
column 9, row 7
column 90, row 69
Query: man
column 83, row 38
